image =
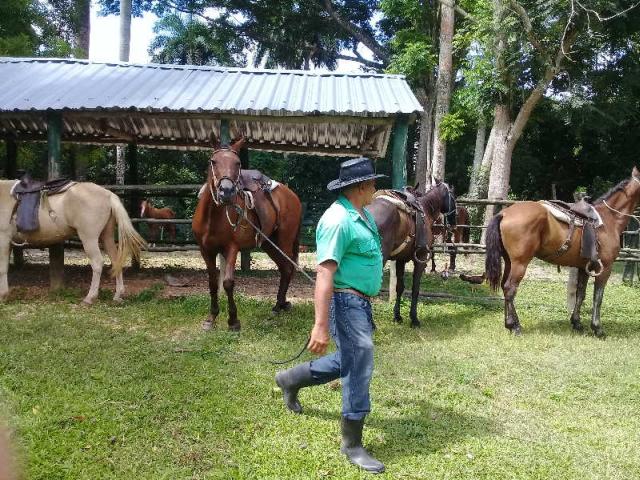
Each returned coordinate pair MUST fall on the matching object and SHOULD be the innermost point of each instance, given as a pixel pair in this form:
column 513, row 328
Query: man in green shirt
column 349, row 258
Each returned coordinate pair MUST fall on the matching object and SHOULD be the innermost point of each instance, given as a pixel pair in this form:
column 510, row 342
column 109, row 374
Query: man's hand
column 322, row 298
column 319, row 340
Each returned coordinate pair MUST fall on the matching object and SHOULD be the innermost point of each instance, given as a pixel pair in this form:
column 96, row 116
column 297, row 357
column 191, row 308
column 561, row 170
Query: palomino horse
column 86, row 210
column 459, row 232
column 147, row 210
column 219, row 226
column 396, row 227
column 527, row 229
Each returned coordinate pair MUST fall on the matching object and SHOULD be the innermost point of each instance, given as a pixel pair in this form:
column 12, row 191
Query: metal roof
column 182, row 105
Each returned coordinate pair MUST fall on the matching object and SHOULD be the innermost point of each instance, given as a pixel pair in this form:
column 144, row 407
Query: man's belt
column 352, row 291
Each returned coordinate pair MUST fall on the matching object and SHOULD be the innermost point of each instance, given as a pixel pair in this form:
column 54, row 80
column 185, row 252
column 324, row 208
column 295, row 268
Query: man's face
column 367, row 190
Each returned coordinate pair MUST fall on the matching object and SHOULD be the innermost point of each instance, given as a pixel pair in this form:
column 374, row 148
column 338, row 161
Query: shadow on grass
column 425, row 429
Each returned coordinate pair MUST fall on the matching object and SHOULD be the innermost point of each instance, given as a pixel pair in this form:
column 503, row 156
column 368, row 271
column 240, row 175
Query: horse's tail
column 495, row 249
column 129, row 240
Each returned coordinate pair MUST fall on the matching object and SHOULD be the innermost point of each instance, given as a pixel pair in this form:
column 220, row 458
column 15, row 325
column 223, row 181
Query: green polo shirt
column 344, row 237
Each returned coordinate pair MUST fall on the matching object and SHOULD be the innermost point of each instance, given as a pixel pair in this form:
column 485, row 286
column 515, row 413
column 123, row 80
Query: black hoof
column 515, row 330
column 398, row 319
column 234, row 327
column 600, row 333
column 284, row 307
column 415, row 323
column 577, row 327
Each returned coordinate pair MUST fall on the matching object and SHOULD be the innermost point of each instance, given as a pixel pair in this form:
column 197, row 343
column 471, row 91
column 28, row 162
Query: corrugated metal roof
column 58, row 84
column 182, row 105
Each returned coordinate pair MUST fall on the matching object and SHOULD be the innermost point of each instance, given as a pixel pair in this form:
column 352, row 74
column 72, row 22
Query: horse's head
column 144, row 207
column 440, row 200
column 224, row 172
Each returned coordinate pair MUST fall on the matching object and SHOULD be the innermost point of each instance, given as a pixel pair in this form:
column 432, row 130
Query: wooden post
column 398, row 179
column 131, row 161
column 56, row 252
column 245, row 255
column 10, row 174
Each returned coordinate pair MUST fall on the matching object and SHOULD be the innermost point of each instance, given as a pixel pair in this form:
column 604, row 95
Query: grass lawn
column 139, row 391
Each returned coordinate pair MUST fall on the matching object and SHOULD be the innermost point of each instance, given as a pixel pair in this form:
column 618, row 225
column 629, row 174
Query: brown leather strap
column 352, row 291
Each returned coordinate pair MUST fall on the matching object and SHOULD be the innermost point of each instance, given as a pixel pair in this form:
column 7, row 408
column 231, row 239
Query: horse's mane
column 618, row 188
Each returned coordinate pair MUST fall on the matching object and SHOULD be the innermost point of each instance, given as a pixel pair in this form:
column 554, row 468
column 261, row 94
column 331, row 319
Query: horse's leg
column 510, row 288
column 214, row 308
column 433, row 262
column 5, row 251
column 110, row 247
column 399, row 290
column 598, row 292
column 285, row 268
column 581, row 291
column 92, row 249
column 453, row 254
column 418, row 269
column 228, row 283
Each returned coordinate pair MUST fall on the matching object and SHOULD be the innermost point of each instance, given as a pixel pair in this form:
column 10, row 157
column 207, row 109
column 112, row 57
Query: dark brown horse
column 527, row 229
column 459, row 232
column 147, row 210
column 397, row 230
column 219, row 226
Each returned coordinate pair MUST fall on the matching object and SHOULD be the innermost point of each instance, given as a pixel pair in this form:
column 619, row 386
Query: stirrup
column 594, row 273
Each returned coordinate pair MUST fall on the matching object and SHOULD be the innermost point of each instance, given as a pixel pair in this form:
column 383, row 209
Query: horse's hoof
column 599, row 333
column 284, row 307
column 86, row 303
column 415, row 324
column 234, row 327
column 578, row 327
column 208, row 325
column 398, row 319
column 118, row 299
column 517, row 331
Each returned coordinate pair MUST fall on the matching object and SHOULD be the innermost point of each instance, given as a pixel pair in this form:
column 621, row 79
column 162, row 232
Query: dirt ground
column 184, row 273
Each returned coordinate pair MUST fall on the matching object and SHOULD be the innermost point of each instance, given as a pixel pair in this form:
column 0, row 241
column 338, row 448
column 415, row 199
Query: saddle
column 583, row 215
column 409, row 203
column 260, row 187
column 30, row 193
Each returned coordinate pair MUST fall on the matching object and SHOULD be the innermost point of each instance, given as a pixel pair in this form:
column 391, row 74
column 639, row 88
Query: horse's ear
column 239, row 145
column 635, row 172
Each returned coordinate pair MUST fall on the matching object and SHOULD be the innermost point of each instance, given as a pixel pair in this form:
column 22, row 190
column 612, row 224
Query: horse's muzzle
column 226, row 191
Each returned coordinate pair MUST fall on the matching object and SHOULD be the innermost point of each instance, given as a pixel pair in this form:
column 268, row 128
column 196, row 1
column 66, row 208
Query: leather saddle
column 260, row 187
column 413, row 208
column 581, row 212
column 29, row 193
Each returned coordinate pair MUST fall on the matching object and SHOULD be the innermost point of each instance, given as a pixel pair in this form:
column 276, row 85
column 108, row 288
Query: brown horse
column 147, row 210
column 397, row 229
column 219, row 226
column 459, row 232
column 527, row 229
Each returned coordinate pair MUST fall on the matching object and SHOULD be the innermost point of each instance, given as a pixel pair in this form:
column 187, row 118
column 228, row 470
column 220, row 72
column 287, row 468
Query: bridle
column 214, row 179
column 633, row 177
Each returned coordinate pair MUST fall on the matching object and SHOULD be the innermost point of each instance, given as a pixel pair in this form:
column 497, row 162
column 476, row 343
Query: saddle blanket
column 564, row 217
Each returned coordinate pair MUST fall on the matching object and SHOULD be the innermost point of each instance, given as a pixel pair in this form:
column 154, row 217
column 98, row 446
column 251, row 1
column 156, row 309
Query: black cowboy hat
column 354, row 171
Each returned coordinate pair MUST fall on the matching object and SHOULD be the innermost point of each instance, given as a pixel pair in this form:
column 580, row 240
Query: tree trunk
column 478, row 155
column 125, row 46
column 443, row 86
column 83, row 39
column 125, row 30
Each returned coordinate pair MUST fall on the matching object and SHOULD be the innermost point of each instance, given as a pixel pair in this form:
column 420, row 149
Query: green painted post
column 399, row 152
column 225, row 136
column 54, row 139
column 398, row 179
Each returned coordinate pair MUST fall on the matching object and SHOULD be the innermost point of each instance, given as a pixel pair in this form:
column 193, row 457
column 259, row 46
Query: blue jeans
column 351, row 327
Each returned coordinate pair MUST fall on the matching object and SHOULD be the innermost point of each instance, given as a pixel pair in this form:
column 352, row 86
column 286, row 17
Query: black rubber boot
column 353, row 449
column 292, row 380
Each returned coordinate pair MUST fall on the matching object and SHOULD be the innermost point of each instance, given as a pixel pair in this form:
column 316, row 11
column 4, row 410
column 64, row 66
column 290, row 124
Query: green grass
column 139, row 391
